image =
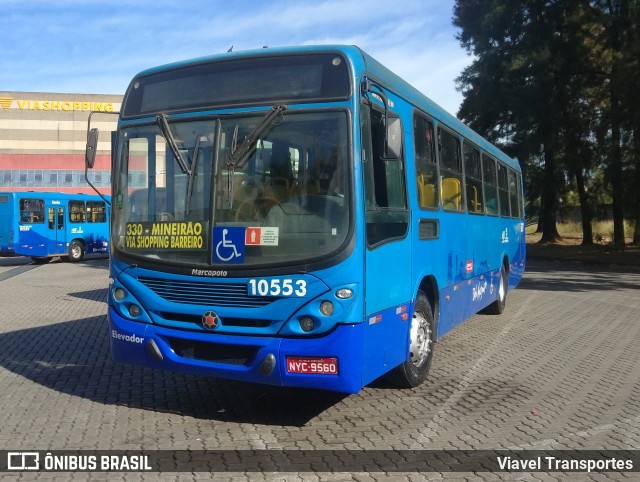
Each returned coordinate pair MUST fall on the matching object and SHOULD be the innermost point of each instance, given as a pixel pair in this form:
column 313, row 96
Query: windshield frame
column 323, row 261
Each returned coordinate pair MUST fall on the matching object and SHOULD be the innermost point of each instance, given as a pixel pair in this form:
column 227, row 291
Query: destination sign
column 166, row 236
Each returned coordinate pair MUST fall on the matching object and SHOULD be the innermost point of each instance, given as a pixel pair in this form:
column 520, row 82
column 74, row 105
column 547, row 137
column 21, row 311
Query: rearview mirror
column 92, row 147
column 393, row 139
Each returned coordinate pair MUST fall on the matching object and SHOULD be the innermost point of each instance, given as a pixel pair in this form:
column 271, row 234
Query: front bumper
column 239, row 357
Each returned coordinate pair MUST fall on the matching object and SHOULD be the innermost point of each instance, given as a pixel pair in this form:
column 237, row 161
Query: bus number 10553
column 277, row 287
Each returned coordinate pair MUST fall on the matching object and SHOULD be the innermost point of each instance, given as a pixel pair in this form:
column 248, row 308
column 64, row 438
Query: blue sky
column 85, row 46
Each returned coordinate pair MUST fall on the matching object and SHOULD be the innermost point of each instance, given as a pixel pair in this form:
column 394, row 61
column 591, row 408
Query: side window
column 31, row 211
column 387, row 216
column 520, row 197
column 490, row 185
column 76, row 211
column 503, row 191
column 473, row 178
column 96, row 212
column 513, row 194
column 426, row 164
column 450, row 171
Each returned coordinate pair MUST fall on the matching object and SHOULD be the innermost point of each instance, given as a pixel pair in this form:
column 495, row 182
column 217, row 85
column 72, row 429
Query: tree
column 517, row 88
column 619, row 124
column 558, row 80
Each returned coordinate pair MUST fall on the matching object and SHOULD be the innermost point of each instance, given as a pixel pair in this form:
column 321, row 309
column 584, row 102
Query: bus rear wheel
column 76, row 251
column 497, row 307
column 414, row 371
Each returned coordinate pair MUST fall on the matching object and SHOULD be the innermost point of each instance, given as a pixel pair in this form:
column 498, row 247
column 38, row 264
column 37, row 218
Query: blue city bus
column 301, row 217
column 47, row 224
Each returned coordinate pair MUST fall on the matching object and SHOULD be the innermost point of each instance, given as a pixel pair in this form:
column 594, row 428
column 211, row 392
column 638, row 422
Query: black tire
column 414, row 371
column 497, row 307
column 41, row 259
column 76, row 251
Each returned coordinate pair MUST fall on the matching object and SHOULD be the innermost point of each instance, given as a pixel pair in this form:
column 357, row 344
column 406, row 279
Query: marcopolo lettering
column 208, row 272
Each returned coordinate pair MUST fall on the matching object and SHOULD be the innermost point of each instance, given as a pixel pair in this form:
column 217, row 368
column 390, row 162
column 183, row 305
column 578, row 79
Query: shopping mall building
column 43, row 137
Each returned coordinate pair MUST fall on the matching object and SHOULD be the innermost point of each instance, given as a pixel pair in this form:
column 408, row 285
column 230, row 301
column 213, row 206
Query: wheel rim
column 420, row 339
column 501, row 289
column 76, row 251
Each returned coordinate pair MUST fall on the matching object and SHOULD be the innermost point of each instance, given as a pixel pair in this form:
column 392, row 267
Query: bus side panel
column 486, row 254
column 7, row 225
column 386, row 340
column 388, row 286
column 30, row 240
column 518, row 262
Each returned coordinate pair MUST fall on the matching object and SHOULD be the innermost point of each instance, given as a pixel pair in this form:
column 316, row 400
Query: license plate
column 312, row 366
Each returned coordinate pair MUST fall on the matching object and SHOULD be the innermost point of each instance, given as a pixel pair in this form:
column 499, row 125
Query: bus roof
column 362, row 64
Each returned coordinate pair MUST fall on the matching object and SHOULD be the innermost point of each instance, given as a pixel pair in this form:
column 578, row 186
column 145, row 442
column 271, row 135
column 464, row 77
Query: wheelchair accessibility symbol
column 229, row 244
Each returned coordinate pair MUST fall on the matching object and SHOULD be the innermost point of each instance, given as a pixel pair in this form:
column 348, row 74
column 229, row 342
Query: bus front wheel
column 414, row 371
column 76, row 251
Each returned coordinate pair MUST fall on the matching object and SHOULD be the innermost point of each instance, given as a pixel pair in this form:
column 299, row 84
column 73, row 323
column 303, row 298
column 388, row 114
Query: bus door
column 388, row 253
column 57, row 242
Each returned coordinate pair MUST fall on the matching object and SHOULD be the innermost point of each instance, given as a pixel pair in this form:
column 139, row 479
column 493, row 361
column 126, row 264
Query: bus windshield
column 182, row 197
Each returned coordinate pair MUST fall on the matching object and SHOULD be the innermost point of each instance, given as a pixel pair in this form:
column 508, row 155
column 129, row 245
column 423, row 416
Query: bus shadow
column 100, row 261
column 73, row 358
column 14, row 260
column 95, row 295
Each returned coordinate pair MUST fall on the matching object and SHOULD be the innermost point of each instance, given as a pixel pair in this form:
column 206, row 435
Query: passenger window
column 503, row 191
column 473, row 178
column 520, row 198
column 31, row 211
column 387, row 216
column 426, row 164
column 450, row 171
column 513, row 194
column 96, row 212
column 76, row 211
column 490, row 186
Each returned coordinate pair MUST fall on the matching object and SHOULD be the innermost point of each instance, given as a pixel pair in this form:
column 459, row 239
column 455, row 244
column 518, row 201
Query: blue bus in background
column 301, row 217
column 47, row 224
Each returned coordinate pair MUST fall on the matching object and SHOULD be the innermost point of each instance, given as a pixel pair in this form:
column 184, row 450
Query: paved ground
column 560, row 369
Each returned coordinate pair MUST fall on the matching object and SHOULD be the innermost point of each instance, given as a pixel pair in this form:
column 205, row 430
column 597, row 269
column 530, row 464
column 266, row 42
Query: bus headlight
column 119, row 294
column 326, row 308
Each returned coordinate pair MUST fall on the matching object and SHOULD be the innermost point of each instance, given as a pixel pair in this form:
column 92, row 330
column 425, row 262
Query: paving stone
column 559, row 370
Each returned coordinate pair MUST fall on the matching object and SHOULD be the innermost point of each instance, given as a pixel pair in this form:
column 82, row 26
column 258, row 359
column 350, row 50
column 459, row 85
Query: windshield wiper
column 192, row 174
column 166, row 131
column 238, row 153
column 248, row 144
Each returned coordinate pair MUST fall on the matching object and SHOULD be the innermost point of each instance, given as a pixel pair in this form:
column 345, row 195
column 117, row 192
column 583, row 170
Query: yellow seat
column 451, row 193
column 426, row 192
column 475, row 204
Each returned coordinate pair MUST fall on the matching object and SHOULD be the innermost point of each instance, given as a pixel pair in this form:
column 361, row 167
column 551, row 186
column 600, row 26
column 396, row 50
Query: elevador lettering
column 129, row 338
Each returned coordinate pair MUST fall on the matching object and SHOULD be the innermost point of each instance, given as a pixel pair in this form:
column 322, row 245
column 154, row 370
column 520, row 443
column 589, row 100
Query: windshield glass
column 180, row 196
